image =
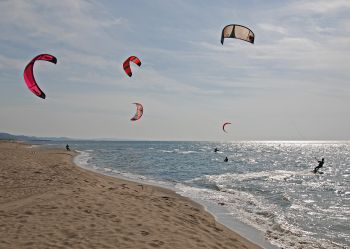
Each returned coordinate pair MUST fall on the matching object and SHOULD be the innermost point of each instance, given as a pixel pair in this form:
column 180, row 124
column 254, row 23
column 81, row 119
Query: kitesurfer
column 320, row 165
column 216, row 150
column 226, row 159
column 67, row 147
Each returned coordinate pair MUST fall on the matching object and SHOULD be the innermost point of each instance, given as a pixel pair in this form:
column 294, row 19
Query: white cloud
column 78, row 23
column 321, row 6
column 301, row 53
column 273, row 28
column 8, row 63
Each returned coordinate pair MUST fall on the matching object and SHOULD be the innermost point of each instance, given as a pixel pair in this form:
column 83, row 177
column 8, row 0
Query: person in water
column 67, row 147
column 226, row 159
column 216, row 150
column 320, row 165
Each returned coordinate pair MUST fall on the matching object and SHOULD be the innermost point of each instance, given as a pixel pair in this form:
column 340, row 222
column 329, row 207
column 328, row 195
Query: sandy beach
column 48, row 202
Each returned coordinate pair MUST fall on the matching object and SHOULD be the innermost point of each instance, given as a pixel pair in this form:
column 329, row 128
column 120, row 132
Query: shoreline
column 282, row 236
column 46, row 200
column 219, row 213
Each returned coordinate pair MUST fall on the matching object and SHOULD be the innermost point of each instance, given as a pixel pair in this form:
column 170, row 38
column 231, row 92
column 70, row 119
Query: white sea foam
column 262, row 216
column 257, row 212
column 278, row 175
column 309, row 201
column 83, row 159
column 177, row 151
column 166, row 151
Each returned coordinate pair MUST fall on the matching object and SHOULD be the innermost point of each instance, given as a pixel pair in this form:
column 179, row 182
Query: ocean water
column 266, row 185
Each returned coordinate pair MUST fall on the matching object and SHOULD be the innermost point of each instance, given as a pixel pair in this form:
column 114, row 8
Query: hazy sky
column 293, row 83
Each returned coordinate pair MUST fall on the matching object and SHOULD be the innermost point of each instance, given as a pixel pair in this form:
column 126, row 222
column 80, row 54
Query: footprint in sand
column 156, row 243
column 124, row 186
column 195, row 209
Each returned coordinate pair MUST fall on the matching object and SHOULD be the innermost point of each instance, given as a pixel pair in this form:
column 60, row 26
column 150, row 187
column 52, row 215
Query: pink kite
column 139, row 112
column 126, row 64
column 29, row 75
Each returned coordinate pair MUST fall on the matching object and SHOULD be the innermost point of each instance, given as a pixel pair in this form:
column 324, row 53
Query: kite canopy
column 126, row 64
column 29, row 75
column 139, row 112
column 238, row 32
column 223, row 126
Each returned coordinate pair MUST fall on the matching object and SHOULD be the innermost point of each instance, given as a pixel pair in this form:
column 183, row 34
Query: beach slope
column 48, row 202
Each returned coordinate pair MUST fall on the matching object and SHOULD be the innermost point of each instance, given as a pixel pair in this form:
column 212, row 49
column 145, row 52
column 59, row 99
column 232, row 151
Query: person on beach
column 320, row 165
column 216, row 150
column 67, row 147
column 226, row 159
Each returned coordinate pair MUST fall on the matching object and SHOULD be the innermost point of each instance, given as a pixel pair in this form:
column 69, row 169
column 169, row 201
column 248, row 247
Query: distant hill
column 7, row 136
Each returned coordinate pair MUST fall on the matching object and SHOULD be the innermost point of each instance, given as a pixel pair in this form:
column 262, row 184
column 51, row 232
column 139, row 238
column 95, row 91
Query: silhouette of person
column 226, row 159
column 67, row 147
column 320, row 165
column 216, row 150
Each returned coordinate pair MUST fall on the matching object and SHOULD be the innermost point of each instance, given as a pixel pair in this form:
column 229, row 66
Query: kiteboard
column 318, row 172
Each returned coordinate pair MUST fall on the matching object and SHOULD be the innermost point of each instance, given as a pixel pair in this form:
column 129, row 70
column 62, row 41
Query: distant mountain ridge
column 8, row 136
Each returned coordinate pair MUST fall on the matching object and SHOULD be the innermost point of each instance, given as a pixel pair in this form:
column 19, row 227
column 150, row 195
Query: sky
column 292, row 84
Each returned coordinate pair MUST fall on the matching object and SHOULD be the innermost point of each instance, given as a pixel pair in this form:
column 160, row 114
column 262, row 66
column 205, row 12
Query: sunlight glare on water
column 268, row 185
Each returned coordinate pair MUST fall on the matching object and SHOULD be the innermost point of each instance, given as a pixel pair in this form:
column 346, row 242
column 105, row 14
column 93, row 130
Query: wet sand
column 46, row 201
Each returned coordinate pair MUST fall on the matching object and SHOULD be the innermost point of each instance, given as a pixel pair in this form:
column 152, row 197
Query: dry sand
column 48, row 202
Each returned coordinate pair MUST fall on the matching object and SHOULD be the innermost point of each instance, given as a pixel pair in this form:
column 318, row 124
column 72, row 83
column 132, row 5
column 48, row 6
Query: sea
column 267, row 186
